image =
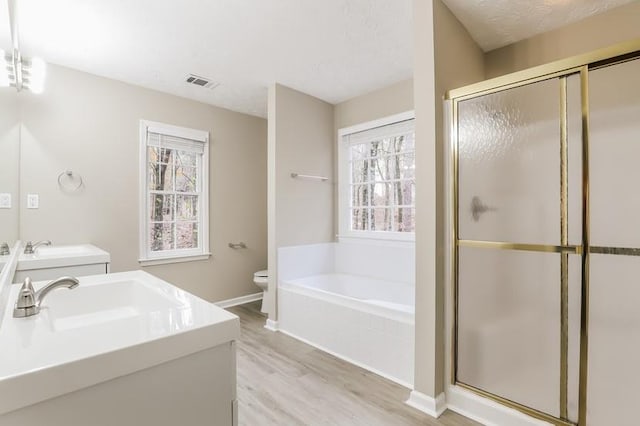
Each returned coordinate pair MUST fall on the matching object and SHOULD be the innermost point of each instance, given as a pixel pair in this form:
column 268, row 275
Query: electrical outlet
column 5, row 201
column 33, row 201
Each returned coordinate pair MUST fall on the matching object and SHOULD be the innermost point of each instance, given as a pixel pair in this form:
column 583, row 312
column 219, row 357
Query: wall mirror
column 9, row 165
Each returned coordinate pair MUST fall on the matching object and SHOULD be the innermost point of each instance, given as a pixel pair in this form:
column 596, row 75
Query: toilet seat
column 261, row 279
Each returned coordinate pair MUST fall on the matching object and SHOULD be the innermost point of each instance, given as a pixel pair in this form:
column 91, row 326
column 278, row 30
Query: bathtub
column 366, row 321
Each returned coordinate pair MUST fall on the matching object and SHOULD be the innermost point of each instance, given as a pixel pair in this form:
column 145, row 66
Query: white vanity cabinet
column 119, row 349
column 51, row 262
column 197, row 389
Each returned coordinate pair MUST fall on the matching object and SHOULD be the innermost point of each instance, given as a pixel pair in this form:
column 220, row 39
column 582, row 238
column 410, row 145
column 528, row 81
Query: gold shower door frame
column 578, row 65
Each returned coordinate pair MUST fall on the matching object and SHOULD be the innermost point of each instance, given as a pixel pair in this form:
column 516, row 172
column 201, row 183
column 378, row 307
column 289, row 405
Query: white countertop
column 61, row 256
column 132, row 321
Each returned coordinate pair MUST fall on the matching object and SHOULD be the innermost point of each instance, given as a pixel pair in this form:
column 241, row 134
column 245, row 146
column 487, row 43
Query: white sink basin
column 61, row 256
column 89, row 305
column 109, row 326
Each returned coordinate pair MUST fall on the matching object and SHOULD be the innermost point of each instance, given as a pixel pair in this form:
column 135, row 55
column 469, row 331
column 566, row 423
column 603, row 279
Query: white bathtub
column 393, row 298
column 368, row 322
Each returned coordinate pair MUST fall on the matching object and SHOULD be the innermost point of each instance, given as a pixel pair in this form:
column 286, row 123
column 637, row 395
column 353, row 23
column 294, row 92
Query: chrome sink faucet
column 30, row 247
column 29, row 300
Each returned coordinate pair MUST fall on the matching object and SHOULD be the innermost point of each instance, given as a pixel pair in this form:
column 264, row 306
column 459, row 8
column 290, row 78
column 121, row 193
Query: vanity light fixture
column 33, row 74
column 19, row 72
column 22, row 73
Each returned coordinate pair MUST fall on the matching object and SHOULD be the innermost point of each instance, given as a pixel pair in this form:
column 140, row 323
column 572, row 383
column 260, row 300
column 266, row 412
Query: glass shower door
column 519, row 218
column 614, row 314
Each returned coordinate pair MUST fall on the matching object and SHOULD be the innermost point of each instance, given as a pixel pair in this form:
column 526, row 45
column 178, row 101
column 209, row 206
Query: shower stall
column 545, row 238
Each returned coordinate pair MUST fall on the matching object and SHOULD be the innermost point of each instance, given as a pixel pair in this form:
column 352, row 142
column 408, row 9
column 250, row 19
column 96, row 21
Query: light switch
column 33, row 201
column 5, row 201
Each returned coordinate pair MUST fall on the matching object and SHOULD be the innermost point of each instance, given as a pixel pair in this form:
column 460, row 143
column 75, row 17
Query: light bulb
column 37, row 73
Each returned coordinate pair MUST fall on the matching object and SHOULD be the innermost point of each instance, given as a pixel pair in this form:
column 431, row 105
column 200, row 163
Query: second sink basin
column 56, row 251
column 61, row 256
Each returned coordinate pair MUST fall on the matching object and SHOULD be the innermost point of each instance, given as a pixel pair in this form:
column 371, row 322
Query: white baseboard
column 431, row 406
column 349, row 360
column 486, row 411
column 272, row 325
column 239, row 300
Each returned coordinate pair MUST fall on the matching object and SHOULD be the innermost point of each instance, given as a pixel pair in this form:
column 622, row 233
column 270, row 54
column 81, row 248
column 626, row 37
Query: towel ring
column 71, row 177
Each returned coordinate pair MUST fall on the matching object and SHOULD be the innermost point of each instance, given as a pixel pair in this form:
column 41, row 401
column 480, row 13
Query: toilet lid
column 264, row 273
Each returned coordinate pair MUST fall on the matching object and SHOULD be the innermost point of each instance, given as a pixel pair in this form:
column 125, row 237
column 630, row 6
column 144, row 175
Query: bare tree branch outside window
column 383, row 184
column 173, row 198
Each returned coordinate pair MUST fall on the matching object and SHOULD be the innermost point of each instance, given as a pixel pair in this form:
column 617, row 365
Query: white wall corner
column 272, row 325
column 431, row 406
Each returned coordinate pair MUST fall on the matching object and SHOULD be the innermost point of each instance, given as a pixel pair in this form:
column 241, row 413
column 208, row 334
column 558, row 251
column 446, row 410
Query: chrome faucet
column 29, row 300
column 30, row 247
column 4, row 249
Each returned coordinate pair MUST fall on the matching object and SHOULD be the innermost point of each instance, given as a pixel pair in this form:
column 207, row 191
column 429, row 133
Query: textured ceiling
column 497, row 23
column 331, row 49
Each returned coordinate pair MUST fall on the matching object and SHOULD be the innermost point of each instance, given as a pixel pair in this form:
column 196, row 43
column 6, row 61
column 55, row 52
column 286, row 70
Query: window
column 377, row 179
column 174, row 217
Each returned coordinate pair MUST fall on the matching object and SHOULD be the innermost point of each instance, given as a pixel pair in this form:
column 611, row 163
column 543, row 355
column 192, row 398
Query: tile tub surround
column 353, row 300
column 89, row 348
column 383, row 260
column 388, row 261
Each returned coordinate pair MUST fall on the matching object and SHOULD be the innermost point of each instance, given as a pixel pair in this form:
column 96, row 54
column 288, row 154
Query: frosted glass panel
column 614, row 94
column 614, row 341
column 509, row 165
column 509, row 325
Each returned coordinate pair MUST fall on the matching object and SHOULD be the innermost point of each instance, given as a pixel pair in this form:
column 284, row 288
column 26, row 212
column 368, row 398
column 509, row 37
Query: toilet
column 261, row 279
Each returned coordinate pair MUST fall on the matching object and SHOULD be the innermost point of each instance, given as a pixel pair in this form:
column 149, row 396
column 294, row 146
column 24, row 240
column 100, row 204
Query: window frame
column 146, row 256
column 344, row 183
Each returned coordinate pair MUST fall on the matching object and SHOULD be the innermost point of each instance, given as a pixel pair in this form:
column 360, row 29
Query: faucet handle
column 28, row 247
column 4, row 249
column 29, row 301
column 27, row 295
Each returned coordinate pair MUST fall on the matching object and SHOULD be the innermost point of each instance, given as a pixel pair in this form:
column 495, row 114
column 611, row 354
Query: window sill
column 394, row 239
column 175, row 259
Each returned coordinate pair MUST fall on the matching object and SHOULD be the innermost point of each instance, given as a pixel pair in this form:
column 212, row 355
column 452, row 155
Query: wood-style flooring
column 282, row 381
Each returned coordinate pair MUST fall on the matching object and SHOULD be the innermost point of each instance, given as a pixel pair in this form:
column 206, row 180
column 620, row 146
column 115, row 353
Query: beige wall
column 459, row 61
column 445, row 57
column 300, row 141
column 424, row 95
column 381, row 103
column 614, row 26
column 90, row 125
column 9, row 163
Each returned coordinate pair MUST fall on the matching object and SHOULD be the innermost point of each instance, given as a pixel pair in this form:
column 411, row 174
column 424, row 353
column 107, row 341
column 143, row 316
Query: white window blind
column 382, row 132
column 174, row 142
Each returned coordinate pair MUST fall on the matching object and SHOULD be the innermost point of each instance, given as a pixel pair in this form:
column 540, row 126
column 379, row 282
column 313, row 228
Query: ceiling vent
column 201, row 81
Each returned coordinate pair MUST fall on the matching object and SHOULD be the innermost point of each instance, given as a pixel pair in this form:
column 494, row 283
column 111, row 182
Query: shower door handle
column 478, row 208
